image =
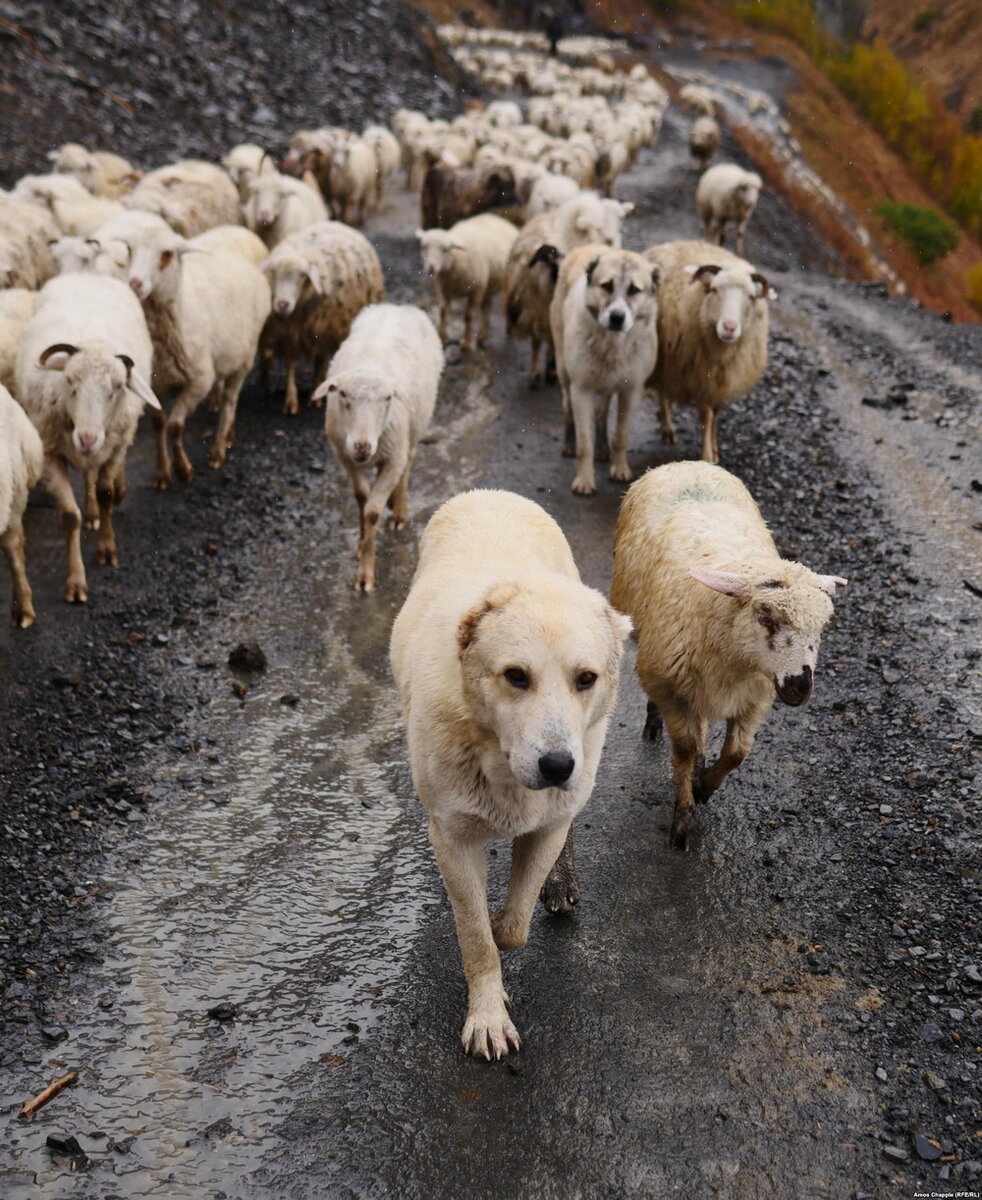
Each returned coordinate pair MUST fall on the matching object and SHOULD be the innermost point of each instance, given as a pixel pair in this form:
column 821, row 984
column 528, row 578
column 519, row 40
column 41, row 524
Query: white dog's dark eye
column 608, row 286
column 517, row 677
column 632, row 289
column 585, row 680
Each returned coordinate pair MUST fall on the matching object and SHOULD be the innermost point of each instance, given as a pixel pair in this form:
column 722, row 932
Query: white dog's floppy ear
column 497, row 598
column 621, row 623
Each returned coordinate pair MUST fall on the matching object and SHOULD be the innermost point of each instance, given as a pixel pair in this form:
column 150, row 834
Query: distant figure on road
column 554, row 30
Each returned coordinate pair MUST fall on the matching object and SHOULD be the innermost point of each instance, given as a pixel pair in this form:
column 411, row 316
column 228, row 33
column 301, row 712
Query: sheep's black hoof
column 653, row 727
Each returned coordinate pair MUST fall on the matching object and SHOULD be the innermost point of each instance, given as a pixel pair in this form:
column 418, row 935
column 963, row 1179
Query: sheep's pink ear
column 828, row 583
column 323, row 389
column 314, row 275
column 56, row 356
column 721, row 581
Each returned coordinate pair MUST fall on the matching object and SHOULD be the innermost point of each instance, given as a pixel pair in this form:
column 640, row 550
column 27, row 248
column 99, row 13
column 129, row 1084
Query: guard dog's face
column 621, row 289
column 540, row 666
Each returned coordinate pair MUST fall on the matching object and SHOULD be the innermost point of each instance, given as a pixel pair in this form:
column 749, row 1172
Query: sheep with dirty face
column 380, row 394
column 21, row 462
column 205, row 309
column 713, row 324
column 321, row 278
column 724, row 625
column 279, row 205
column 82, row 374
column 533, row 265
column 727, row 195
column 468, row 262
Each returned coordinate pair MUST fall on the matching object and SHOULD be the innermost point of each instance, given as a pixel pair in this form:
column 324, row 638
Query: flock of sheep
column 123, row 290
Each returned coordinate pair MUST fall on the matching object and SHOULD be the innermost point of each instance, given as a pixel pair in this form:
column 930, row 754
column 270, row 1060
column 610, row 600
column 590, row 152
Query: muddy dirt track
column 792, row 1010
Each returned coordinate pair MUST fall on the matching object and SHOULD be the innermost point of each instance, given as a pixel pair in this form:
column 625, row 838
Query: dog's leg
column 561, row 889
column 488, row 1031
column 602, row 451
column 581, row 404
column 532, row 858
column 627, row 401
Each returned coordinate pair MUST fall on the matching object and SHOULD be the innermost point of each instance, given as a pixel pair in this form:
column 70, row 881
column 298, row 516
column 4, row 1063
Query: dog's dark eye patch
column 517, row 677
column 608, row 286
column 585, row 680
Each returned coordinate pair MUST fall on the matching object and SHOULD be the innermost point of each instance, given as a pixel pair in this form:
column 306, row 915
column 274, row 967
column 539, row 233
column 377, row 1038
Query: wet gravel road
column 792, row 1010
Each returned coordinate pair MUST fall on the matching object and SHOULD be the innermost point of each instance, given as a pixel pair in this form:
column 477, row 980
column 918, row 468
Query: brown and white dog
column 603, row 318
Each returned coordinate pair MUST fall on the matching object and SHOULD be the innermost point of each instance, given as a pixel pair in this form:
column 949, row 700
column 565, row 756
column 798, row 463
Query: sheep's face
column 620, row 290
column 94, row 386
column 287, row 283
column 747, row 192
column 778, row 621
column 155, row 265
column 437, row 249
column 266, row 198
column 729, row 303
column 358, row 404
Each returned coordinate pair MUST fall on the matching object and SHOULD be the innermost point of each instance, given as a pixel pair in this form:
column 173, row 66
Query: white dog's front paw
column 620, row 470
column 488, row 1031
column 584, row 485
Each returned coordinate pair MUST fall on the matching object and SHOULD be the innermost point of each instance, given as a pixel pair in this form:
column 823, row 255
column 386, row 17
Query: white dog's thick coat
column 497, row 597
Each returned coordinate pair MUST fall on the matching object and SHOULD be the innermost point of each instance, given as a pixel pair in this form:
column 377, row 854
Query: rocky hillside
column 158, row 81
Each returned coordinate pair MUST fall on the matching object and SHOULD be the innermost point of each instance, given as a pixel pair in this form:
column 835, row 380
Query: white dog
column 507, row 666
column 603, row 327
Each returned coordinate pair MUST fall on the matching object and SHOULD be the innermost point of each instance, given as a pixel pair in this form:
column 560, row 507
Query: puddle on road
column 298, row 900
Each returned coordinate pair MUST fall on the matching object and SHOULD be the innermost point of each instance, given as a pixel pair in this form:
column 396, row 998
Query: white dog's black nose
column 556, row 767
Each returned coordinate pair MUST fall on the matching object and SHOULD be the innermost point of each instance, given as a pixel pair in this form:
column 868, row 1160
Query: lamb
column 17, row 306
column 82, row 374
column 99, row 172
column 205, row 310
column 712, row 333
column 190, row 195
column 704, row 138
column 279, row 205
column 388, row 156
column 727, row 193
column 534, row 264
column 243, row 163
column 603, row 327
column 321, row 279
column 381, row 392
column 26, row 232
column 451, row 194
column 468, row 262
column 353, row 174
column 723, row 623
column 21, row 462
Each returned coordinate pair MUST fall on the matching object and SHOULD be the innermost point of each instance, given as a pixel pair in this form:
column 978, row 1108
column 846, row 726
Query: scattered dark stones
column 225, row 1011
column 929, row 1032
column 68, row 1147
column 54, row 1033
column 926, row 1148
column 289, row 700
column 895, row 1154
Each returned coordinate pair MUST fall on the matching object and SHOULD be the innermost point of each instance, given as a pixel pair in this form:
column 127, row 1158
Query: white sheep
column 76, row 211
column 704, row 138
column 381, row 392
column 698, row 98
column 17, row 306
column 21, row 462
column 236, row 239
column 190, row 195
column 352, row 180
column 388, row 157
column 727, row 194
column 279, row 205
column 99, row 172
column 533, row 264
column 82, row 374
column 468, row 262
column 26, row 232
column 243, row 163
column 723, row 623
column 321, row 278
column 205, row 309
column 712, row 332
